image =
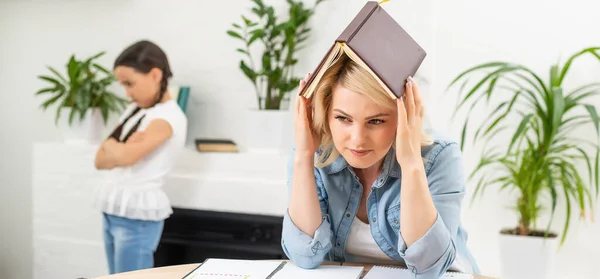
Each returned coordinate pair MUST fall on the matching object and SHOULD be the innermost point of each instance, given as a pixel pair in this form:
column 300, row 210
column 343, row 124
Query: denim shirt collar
column 390, row 165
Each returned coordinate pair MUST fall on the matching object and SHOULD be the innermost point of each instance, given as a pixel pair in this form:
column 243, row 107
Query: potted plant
column 83, row 100
column 543, row 160
column 272, row 71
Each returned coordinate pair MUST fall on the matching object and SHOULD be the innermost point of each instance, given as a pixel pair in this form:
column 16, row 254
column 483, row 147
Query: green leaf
column 593, row 115
column 246, row 20
column 73, row 69
column 102, row 69
column 47, row 90
column 55, row 82
column 248, row 72
column 565, row 68
column 51, row 101
column 596, row 169
column 56, row 73
column 234, row 34
column 254, row 37
column 72, row 115
column 520, row 130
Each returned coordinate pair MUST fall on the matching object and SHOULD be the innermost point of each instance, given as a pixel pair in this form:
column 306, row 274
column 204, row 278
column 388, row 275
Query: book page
column 234, row 269
column 352, row 55
column 333, row 56
column 381, row 272
column 291, row 271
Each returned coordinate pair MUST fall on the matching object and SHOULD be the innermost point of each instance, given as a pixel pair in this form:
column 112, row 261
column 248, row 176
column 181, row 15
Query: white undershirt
column 360, row 243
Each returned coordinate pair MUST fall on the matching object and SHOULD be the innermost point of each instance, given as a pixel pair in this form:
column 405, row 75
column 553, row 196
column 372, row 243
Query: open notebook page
column 234, row 269
column 381, row 272
column 291, row 271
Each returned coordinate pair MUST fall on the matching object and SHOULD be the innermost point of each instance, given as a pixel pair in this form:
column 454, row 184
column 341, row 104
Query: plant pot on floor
column 267, row 130
column 81, row 131
column 526, row 257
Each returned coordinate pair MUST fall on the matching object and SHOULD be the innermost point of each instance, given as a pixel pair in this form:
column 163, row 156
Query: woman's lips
column 360, row 153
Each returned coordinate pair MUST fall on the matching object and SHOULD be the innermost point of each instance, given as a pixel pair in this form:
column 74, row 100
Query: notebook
column 235, row 269
column 375, row 41
column 260, row 269
column 383, row 272
column 291, row 271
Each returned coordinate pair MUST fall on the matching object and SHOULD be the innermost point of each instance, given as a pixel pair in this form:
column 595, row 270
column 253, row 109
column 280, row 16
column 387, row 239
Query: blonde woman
column 367, row 185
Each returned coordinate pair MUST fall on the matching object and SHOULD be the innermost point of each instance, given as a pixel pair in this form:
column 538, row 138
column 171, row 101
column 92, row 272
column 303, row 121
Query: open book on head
column 376, row 42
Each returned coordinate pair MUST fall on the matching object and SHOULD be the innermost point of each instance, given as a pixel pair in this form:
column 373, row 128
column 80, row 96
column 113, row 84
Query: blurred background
column 48, row 227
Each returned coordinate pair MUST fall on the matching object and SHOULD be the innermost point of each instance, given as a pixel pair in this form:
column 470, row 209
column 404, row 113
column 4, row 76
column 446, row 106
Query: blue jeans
column 130, row 244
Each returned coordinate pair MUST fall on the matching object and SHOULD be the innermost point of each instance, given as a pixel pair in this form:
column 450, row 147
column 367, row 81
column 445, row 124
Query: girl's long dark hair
column 143, row 56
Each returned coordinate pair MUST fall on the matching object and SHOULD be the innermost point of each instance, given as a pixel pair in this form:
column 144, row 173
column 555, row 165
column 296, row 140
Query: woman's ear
column 156, row 74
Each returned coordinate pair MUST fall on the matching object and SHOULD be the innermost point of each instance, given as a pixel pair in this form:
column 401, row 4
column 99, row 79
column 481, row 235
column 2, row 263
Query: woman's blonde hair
column 348, row 74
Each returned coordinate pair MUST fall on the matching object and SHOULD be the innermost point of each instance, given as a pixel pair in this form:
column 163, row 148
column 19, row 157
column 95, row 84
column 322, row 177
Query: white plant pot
column 267, row 131
column 85, row 131
column 527, row 257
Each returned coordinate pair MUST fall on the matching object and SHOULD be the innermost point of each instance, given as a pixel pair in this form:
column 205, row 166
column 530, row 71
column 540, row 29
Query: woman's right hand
column 307, row 141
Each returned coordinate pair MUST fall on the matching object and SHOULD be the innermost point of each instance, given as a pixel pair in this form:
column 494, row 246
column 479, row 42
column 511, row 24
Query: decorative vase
column 268, row 131
column 526, row 257
column 81, row 131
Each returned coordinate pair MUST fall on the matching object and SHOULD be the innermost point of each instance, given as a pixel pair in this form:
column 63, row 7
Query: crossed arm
column 113, row 154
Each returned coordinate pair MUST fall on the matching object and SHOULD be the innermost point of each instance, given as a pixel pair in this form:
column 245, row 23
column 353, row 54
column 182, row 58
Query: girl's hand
column 136, row 137
column 408, row 134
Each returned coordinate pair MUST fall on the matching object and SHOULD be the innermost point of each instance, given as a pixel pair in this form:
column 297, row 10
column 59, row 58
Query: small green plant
column 543, row 158
column 85, row 87
column 274, row 78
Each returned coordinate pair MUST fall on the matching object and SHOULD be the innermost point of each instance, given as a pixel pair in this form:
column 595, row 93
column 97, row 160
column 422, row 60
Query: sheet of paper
column 234, row 269
column 380, row 272
column 291, row 271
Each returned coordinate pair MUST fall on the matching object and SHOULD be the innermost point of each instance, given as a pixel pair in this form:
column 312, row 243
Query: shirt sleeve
column 306, row 251
column 432, row 254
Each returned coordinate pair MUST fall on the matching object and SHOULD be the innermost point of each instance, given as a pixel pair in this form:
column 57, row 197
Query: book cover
column 374, row 40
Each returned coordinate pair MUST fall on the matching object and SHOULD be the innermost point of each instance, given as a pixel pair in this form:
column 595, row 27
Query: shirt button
column 391, row 250
column 347, row 214
column 396, row 221
column 374, row 219
column 338, row 244
column 381, row 180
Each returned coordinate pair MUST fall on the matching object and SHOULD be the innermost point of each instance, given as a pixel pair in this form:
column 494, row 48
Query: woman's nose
column 358, row 135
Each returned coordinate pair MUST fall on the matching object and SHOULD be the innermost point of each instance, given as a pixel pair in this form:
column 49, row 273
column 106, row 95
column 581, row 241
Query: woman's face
column 362, row 131
column 141, row 88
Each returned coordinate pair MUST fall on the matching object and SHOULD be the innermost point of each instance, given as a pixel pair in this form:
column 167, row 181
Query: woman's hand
column 408, row 134
column 306, row 140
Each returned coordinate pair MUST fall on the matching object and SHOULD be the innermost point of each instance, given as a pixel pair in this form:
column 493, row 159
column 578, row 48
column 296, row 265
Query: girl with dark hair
column 139, row 153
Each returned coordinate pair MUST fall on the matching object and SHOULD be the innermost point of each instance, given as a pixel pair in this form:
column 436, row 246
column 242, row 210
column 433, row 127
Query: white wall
column 456, row 35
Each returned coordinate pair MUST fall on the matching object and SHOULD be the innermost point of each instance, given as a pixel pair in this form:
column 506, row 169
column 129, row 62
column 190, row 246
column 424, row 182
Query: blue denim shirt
column 340, row 191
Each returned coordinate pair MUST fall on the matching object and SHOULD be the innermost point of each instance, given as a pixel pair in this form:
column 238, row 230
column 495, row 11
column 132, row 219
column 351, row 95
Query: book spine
column 317, row 69
column 357, row 22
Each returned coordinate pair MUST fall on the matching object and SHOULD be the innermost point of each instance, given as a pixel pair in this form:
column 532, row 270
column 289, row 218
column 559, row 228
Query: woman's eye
column 376, row 121
column 342, row 118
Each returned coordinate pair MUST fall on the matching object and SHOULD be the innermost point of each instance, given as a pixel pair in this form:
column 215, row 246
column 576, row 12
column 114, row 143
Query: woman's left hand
column 408, row 133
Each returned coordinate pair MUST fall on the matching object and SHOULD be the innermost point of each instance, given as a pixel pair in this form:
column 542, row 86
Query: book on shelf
column 180, row 94
column 215, row 145
column 376, row 42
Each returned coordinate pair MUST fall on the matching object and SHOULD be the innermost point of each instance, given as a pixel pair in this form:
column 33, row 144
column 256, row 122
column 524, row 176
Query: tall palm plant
column 543, row 156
